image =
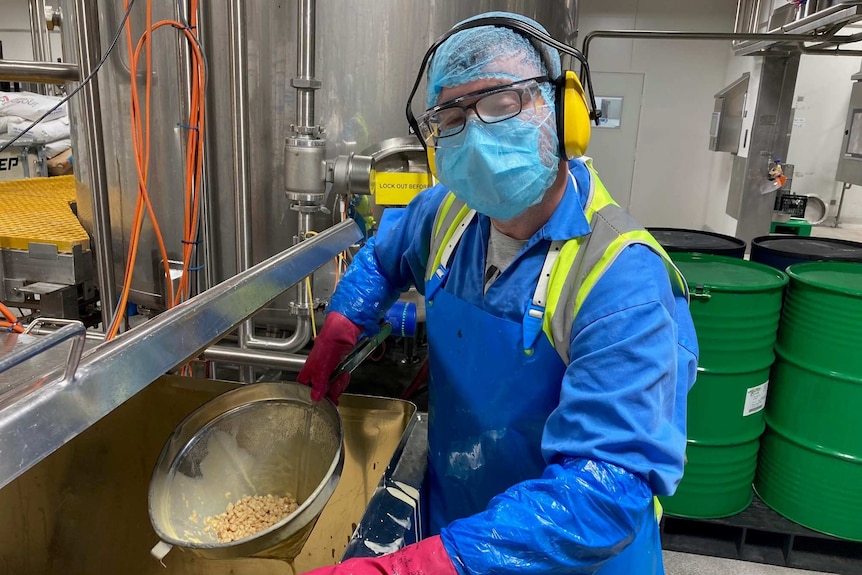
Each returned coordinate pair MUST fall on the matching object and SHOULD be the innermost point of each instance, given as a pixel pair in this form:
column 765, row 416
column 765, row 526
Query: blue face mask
column 498, row 169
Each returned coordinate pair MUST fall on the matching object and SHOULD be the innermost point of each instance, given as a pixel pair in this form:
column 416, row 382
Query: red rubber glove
column 428, row 557
column 334, row 342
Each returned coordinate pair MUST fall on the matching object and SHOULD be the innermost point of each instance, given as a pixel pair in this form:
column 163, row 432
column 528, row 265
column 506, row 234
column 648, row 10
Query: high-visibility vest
column 572, row 267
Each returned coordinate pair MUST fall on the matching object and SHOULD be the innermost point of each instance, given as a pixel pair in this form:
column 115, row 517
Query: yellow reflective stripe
column 444, row 209
column 559, row 274
column 597, row 271
column 645, row 237
column 462, row 213
column 611, row 253
column 601, row 196
column 658, row 509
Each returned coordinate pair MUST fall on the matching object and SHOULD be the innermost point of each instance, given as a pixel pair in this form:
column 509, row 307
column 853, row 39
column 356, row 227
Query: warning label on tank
column 755, row 399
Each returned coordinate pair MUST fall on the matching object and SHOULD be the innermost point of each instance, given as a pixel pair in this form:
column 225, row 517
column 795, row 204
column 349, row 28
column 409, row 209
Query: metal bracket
column 700, row 292
column 312, row 83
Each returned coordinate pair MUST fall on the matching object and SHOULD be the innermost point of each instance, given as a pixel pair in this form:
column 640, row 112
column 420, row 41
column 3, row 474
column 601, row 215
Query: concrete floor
column 852, row 232
column 687, row 564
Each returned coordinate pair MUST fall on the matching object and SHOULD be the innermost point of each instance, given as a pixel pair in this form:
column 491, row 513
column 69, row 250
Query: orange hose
column 141, row 141
column 12, row 319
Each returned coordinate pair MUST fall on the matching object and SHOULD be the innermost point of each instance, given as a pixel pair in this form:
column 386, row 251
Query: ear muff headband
column 574, row 107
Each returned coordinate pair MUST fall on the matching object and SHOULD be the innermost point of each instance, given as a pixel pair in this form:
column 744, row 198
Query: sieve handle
column 362, row 350
column 160, row 550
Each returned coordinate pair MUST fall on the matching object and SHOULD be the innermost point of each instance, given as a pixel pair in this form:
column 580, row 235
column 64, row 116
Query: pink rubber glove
column 334, row 342
column 428, row 557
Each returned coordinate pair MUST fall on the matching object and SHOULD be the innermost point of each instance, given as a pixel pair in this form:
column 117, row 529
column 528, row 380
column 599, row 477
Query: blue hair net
column 491, row 52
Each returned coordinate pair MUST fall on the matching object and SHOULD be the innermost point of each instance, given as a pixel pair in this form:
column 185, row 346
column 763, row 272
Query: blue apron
column 488, row 403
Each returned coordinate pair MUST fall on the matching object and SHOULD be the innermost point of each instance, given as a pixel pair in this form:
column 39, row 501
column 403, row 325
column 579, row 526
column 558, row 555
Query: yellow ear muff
column 573, row 116
column 432, row 164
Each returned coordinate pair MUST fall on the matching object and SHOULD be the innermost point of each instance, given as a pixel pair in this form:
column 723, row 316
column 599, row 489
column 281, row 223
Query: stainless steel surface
column 64, row 268
column 366, row 57
column 394, row 513
column 43, row 72
column 75, row 331
column 838, row 15
column 249, row 441
column 84, row 509
column 167, row 172
column 91, row 173
column 769, row 138
column 747, row 15
column 816, row 210
column 304, row 168
column 255, row 357
column 728, row 116
column 850, row 155
column 739, row 18
column 351, row 173
column 118, row 369
column 679, row 35
column 806, row 9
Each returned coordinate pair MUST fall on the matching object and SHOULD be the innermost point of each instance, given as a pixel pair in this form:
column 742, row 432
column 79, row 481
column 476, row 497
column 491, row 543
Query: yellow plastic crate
column 37, row 210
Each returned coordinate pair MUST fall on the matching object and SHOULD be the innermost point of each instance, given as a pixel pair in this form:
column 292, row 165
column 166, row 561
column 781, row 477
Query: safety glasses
column 491, row 105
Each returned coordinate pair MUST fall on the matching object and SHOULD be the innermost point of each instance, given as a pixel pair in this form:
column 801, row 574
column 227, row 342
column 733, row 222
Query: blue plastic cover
column 490, row 52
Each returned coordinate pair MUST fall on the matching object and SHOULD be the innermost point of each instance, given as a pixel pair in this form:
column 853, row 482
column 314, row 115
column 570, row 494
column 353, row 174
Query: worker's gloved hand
column 334, row 342
column 428, row 557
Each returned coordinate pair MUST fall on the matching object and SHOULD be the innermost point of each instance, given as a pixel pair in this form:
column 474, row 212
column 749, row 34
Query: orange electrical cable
column 12, row 321
column 141, row 140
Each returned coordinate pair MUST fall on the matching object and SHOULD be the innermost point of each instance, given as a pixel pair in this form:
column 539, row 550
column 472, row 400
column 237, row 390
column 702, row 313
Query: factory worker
column 560, row 343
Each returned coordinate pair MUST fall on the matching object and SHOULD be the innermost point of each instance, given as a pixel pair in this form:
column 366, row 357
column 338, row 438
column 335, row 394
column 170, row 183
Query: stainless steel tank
column 367, row 55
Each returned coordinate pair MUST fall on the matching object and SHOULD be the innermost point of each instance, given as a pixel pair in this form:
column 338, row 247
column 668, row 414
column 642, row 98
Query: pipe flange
column 312, row 131
column 301, row 310
column 308, row 208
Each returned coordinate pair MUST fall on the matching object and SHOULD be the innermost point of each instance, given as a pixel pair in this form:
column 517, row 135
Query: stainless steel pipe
column 257, row 358
column 676, row 35
column 39, row 72
column 86, row 22
column 305, row 82
column 39, row 38
column 241, row 176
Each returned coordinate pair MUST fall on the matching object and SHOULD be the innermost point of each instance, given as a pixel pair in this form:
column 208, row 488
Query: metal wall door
column 613, row 144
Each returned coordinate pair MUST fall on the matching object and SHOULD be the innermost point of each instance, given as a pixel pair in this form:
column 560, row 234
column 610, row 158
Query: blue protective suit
column 536, row 466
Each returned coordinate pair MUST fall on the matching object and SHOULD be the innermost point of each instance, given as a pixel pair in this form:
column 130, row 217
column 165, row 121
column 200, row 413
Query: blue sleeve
column 386, row 266
column 577, row 516
column 616, row 439
column 633, row 358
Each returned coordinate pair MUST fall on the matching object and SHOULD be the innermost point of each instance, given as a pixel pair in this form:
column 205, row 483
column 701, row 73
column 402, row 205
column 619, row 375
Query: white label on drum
column 755, row 399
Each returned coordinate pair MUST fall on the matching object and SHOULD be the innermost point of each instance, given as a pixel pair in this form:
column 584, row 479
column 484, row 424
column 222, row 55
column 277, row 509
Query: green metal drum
column 736, row 306
column 810, row 467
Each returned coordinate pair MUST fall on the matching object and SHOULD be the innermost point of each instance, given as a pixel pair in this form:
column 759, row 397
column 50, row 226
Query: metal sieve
column 249, row 441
